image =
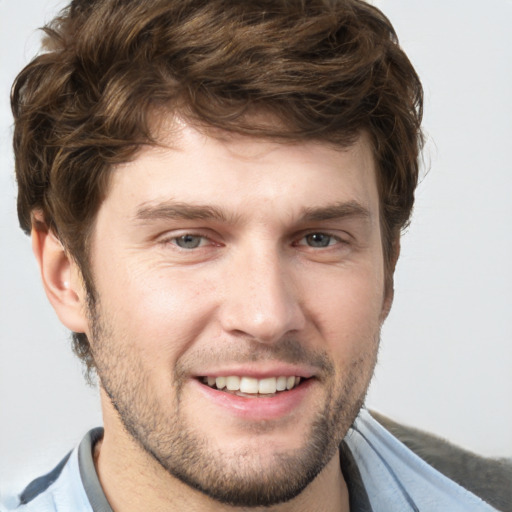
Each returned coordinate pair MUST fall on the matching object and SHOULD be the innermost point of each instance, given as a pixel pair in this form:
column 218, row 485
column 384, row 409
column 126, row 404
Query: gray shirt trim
column 88, row 473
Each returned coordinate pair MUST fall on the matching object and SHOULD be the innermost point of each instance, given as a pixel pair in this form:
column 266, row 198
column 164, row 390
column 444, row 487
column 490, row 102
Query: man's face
column 244, row 263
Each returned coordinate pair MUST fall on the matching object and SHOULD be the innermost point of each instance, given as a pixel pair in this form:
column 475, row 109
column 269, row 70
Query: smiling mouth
column 251, row 387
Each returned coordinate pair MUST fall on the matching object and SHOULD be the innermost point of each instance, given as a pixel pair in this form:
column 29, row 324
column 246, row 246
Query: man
column 215, row 192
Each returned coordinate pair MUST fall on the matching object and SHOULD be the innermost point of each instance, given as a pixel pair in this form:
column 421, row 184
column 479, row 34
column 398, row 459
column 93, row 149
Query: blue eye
column 188, row 241
column 319, row 240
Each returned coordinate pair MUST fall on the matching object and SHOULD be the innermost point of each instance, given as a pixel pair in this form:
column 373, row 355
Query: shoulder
column 40, row 485
column 60, row 490
column 490, row 479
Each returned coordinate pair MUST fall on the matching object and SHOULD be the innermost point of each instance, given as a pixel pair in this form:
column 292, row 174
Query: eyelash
column 331, row 238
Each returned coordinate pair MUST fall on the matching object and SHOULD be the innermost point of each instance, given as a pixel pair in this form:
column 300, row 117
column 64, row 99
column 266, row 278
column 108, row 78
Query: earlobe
column 61, row 278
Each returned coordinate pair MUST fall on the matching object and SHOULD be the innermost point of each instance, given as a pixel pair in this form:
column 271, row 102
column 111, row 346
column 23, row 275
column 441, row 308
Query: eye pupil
column 318, row 240
column 188, row 241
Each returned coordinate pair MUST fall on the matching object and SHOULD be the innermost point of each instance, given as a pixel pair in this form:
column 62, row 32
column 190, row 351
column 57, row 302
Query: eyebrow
column 179, row 211
column 336, row 211
column 171, row 210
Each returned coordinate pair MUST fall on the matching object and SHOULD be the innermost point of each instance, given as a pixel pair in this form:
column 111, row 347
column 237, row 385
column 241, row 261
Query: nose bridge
column 261, row 299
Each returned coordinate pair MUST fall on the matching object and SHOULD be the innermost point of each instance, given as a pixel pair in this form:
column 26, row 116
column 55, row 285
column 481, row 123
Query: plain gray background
column 446, row 358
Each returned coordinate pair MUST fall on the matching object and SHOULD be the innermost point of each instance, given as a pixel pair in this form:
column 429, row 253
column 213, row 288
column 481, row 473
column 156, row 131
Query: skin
column 287, row 276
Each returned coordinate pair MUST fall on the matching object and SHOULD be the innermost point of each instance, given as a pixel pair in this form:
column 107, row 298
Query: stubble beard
column 240, row 478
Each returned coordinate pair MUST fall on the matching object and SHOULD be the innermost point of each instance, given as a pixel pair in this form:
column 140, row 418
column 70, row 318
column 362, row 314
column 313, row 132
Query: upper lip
column 259, row 371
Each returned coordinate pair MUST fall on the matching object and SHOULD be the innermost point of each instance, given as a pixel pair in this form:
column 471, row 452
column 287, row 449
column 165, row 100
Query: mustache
column 288, row 350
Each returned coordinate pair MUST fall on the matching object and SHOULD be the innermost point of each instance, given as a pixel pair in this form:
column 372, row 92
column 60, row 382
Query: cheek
column 157, row 312
column 347, row 313
column 352, row 334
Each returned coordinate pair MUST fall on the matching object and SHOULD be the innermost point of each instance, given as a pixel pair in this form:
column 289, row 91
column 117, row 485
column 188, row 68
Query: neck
column 132, row 481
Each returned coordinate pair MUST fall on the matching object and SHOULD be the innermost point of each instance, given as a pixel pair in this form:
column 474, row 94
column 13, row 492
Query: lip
column 257, row 372
column 256, row 409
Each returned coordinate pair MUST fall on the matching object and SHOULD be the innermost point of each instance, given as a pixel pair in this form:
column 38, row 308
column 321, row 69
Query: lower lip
column 278, row 406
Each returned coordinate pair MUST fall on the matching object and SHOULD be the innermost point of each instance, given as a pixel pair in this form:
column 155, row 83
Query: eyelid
column 169, row 236
column 211, row 238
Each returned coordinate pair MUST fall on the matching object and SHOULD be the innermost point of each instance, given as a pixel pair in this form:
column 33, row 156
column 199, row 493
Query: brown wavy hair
column 323, row 70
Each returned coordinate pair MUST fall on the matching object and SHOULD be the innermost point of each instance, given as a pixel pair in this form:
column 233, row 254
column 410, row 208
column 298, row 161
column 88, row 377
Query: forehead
column 239, row 173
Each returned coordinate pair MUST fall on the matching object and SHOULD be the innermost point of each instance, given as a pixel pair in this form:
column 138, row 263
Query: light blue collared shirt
column 395, row 478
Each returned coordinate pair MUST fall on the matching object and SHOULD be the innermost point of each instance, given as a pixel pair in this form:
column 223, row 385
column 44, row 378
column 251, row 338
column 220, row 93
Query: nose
column 262, row 299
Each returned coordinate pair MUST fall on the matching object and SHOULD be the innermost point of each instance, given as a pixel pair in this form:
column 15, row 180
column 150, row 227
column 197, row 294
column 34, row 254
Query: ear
column 61, row 277
column 389, row 288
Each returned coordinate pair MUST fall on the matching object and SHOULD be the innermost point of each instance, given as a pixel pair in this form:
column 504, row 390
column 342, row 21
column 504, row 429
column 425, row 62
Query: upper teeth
column 265, row 386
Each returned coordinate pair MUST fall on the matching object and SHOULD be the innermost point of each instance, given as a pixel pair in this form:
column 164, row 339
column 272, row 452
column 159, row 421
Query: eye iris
column 318, row 240
column 188, row 241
